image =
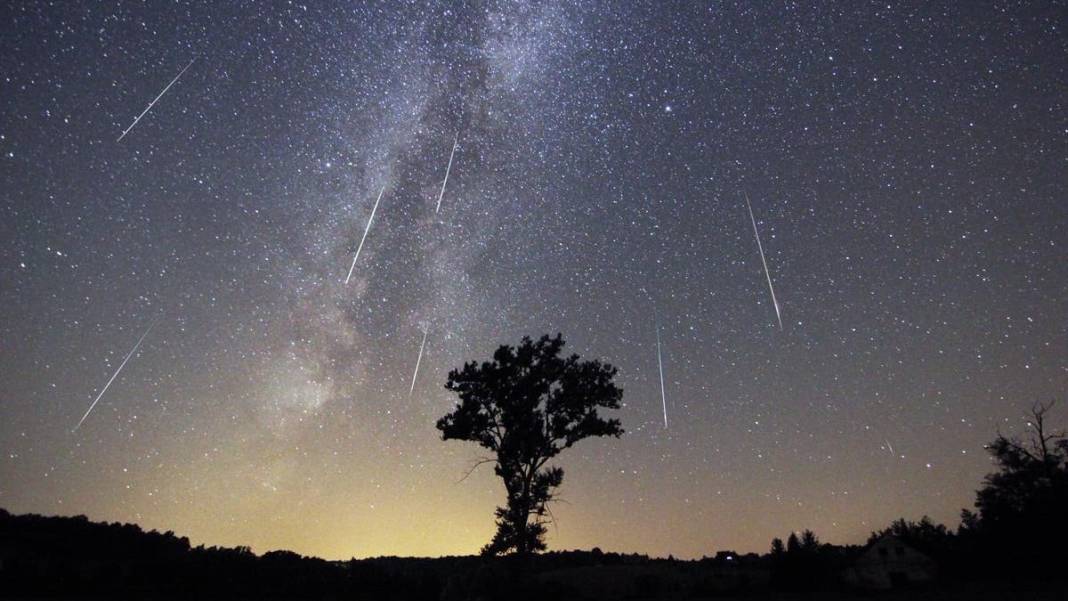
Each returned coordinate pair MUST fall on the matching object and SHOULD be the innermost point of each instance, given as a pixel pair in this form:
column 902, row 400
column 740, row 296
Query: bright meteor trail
column 419, row 360
column 660, row 364
column 151, row 104
column 659, row 355
column 778, row 314
column 114, row 375
column 448, row 168
column 367, row 229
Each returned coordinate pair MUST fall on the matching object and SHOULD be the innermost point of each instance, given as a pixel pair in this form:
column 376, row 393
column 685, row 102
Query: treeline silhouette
column 73, row 556
column 49, row 557
column 64, row 556
column 1012, row 542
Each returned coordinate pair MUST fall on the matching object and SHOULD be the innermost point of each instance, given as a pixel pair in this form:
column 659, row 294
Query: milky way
column 909, row 165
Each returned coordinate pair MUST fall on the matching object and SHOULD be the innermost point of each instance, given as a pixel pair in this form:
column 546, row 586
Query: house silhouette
column 889, row 563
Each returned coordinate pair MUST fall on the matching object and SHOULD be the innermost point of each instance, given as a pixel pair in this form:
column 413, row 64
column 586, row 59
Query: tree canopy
column 1021, row 506
column 526, row 406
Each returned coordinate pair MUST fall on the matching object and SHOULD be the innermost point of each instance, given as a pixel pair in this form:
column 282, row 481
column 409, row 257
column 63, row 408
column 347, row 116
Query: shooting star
column 114, row 375
column 367, row 229
column 418, row 361
column 659, row 355
column 153, row 103
column 891, row 447
column 448, row 168
column 660, row 364
column 760, row 247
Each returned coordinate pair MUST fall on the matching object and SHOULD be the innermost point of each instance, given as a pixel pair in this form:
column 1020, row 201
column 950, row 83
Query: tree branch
column 474, row 467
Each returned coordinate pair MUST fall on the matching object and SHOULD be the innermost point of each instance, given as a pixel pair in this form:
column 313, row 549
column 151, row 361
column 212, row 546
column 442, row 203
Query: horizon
column 261, row 552
column 243, row 247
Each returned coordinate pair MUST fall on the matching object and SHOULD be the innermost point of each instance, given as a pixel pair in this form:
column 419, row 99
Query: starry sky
column 906, row 165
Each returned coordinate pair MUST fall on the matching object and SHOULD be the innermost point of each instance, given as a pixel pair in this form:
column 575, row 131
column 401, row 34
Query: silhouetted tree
column 925, row 535
column 777, row 547
column 526, row 406
column 804, row 564
column 1022, row 505
column 792, row 544
column 1028, row 471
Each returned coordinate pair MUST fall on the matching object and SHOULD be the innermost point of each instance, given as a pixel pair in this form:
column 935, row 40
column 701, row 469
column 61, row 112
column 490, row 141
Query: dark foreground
column 958, row 592
column 73, row 558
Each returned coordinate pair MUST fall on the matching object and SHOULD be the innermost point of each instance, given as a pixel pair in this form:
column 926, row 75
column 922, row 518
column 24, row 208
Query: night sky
column 906, row 167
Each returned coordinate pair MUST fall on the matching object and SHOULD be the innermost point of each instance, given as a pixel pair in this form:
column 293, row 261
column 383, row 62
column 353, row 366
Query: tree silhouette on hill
column 526, row 406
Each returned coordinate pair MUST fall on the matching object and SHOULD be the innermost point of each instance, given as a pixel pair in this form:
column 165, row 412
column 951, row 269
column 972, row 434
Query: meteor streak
column 153, row 103
column 455, row 141
column 418, row 361
column 760, row 247
column 367, row 229
column 659, row 355
column 660, row 364
column 114, row 375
